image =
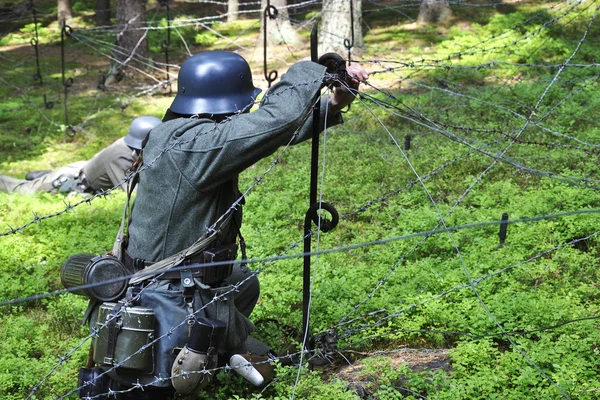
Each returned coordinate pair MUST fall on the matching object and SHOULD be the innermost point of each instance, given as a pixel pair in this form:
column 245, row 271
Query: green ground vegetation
column 518, row 321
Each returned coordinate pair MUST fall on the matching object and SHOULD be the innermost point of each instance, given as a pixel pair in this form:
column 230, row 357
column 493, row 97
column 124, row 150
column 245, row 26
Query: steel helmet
column 214, row 82
column 139, row 129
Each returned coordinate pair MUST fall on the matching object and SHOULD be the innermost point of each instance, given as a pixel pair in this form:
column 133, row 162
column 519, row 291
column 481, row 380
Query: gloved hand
column 345, row 79
column 67, row 184
column 64, row 183
column 345, row 94
column 335, row 73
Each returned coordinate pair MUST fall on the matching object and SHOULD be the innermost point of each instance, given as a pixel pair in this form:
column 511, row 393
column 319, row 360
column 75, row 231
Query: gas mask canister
column 86, row 269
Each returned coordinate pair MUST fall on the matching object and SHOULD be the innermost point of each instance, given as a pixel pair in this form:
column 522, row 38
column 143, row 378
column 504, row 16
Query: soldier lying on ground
column 104, row 171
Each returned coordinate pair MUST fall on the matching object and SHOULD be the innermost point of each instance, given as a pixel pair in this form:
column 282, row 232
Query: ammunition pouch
column 204, row 269
column 62, row 180
column 83, row 185
column 68, row 184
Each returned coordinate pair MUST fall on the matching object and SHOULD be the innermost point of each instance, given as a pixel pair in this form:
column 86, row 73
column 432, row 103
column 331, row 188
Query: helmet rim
column 214, row 83
column 139, row 129
column 192, row 105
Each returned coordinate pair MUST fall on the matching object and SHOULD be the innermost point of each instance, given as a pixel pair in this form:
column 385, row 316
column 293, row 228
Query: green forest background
column 498, row 124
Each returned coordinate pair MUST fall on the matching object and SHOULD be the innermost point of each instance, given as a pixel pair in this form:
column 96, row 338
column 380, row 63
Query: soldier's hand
column 346, row 93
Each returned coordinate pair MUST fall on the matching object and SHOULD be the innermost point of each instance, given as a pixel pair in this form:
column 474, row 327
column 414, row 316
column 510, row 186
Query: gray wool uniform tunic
column 189, row 182
column 192, row 165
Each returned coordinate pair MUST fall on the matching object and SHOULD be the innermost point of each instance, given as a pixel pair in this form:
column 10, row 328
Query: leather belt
column 137, row 264
column 205, row 273
column 200, row 266
column 134, row 264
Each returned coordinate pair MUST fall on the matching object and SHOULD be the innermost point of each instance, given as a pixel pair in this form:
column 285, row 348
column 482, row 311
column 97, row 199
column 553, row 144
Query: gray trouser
column 41, row 184
column 246, row 296
column 245, row 300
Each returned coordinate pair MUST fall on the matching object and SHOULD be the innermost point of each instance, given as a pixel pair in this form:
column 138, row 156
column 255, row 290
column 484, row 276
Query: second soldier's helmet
column 216, row 83
column 139, row 129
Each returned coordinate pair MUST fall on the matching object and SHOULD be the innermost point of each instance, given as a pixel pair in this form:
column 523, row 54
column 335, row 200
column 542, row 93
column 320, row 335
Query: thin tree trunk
column 233, row 7
column 434, row 11
column 102, row 12
column 65, row 15
column 280, row 28
column 336, row 29
column 131, row 44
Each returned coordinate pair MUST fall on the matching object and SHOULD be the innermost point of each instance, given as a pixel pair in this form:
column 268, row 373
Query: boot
column 36, row 174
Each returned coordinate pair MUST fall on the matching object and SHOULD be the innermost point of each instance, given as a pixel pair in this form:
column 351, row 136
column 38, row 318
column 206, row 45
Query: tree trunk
column 102, row 12
column 131, row 44
column 233, row 7
column 65, row 15
column 279, row 29
column 434, row 11
column 336, row 27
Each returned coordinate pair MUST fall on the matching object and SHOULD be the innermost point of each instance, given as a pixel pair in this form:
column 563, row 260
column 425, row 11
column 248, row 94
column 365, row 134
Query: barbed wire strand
column 482, row 303
column 339, row 249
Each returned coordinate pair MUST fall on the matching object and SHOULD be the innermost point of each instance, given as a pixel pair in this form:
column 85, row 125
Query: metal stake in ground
column 312, row 215
column 35, row 42
column 503, row 228
column 66, row 31
column 270, row 12
column 349, row 43
column 167, row 43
